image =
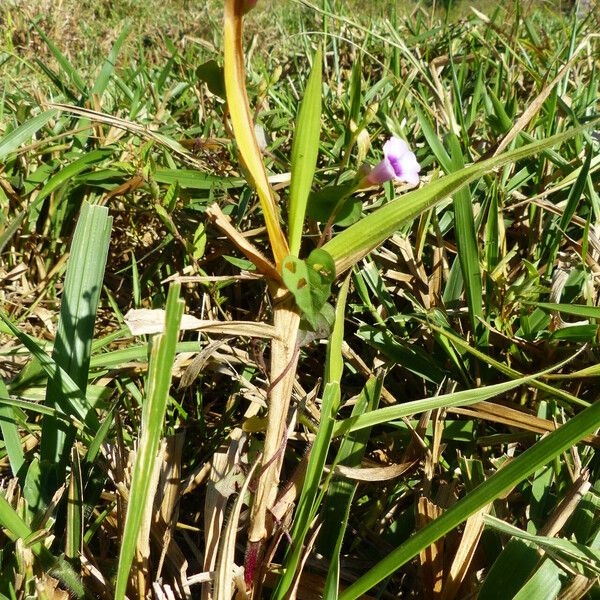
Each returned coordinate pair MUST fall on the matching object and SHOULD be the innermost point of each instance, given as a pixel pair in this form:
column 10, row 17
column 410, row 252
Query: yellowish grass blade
column 243, row 128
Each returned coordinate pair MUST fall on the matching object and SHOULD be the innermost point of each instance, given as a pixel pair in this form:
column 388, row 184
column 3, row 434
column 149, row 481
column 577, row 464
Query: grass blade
column 305, row 150
column 586, row 312
column 72, row 400
column 505, row 479
column 466, row 240
column 355, row 242
column 510, row 571
column 558, row 231
column 10, row 433
column 74, row 530
column 341, row 491
column 16, row 528
column 73, row 344
column 61, row 59
column 463, row 398
column 21, row 134
column 159, row 380
column 108, row 67
column 305, row 512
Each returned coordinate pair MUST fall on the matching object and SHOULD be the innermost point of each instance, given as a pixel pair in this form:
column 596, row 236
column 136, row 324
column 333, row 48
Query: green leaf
column 61, row 59
column 352, row 244
column 10, row 433
column 325, row 320
column 396, row 411
column 545, row 450
column 340, row 493
column 212, row 74
column 510, row 571
column 74, row 528
column 588, row 559
column 108, row 67
column 334, row 361
column 558, row 229
column 63, row 176
column 577, row 310
column 73, row 344
column 566, row 397
column 21, row 134
column 102, row 81
column 309, row 281
column 545, row 584
column 154, row 409
column 58, row 179
column 306, row 504
column 16, row 528
column 466, row 241
column 434, row 142
column 73, row 400
column 335, row 200
column 196, row 180
column 305, row 150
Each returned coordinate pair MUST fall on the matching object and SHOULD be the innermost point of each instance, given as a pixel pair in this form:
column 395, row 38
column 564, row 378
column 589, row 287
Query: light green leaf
column 73, row 344
column 352, row 244
column 571, row 552
column 10, row 433
column 305, row 150
column 309, row 281
column 21, row 134
column 154, row 409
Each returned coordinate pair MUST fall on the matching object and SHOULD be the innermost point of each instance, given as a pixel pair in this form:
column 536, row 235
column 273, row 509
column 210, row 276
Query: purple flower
column 399, row 164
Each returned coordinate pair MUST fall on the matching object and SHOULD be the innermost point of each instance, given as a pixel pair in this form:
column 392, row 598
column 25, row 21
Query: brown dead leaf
column 144, row 321
column 253, row 254
column 464, row 554
column 431, row 559
column 369, row 474
column 499, row 413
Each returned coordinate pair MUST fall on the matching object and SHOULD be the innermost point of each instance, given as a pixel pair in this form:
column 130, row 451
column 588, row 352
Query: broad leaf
column 309, row 281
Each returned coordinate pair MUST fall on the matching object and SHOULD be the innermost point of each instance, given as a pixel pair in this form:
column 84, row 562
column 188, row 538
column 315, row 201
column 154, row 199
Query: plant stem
column 283, row 364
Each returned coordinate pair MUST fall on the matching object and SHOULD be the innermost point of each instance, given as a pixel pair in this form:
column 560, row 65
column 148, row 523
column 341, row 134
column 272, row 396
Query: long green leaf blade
column 24, row 132
column 466, row 240
column 73, row 344
column 305, row 150
column 355, row 242
column 10, row 433
column 155, row 405
column 505, row 479
column 397, row 411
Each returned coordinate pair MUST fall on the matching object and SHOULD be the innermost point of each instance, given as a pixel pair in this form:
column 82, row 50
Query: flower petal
column 395, row 147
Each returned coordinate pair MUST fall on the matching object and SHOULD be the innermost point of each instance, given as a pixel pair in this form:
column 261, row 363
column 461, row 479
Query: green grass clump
column 441, row 440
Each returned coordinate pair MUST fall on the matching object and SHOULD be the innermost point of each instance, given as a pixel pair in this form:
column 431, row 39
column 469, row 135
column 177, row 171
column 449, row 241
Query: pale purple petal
column 395, row 147
column 381, row 173
column 399, row 164
column 407, row 168
column 412, row 177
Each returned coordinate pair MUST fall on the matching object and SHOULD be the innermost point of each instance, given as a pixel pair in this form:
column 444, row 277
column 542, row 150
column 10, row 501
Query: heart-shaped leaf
column 309, row 281
column 336, row 198
column 212, row 74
